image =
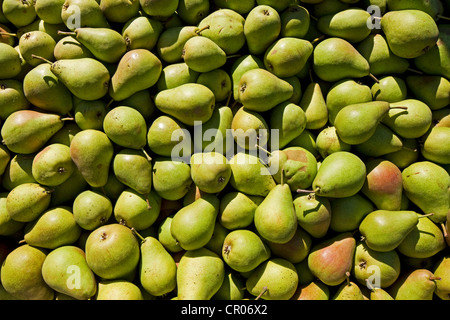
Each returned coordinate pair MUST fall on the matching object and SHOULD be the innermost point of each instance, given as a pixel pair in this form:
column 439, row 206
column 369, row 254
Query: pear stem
column 415, row 71
column 262, row 292
column 314, row 18
column 347, row 274
column 399, row 107
column 4, row 33
column 137, row 234
column 200, row 30
column 42, row 58
column 435, row 278
column 317, row 39
column 233, row 56
column 374, row 78
column 109, row 103
column 69, row 33
column 21, row 241
column 282, row 176
column 67, row 119
column 228, row 99
column 443, row 17
column 266, row 151
column 146, row 155
column 425, row 215
column 307, row 191
column 444, row 230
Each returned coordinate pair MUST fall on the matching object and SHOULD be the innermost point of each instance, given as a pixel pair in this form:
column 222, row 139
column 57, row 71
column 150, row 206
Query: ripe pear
column 295, row 250
column 118, row 289
column 433, row 8
column 431, row 89
column 390, row 89
column 112, row 251
column 83, row 13
column 295, row 21
column 331, row 260
column 314, row 105
column 18, row 13
column 119, row 11
column 242, row 7
column 65, row 270
column 92, row 152
column 69, row 189
column 275, row 218
column 171, row 178
column 202, row 54
column 176, row 74
column 240, row 66
column 406, row 155
column 313, row 214
column 165, row 236
column 440, row 270
column 18, row 171
column 328, row 142
column 21, row 274
column 383, row 142
column 7, row 225
column 54, row 228
column 400, row 27
column 142, row 32
column 193, row 11
column 426, row 184
column 348, row 212
column 134, row 169
column 172, row 40
column 306, row 140
column 261, row 28
column 314, row 290
column 434, row 147
column 91, row 209
column 218, row 237
column 274, row 279
column 89, row 114
column 341, row 174
column 36, row 43
column 53, row 165
column 27, row 201
column 249, row 129
column 418, row 284
column 218, row 81
column 10, row 62
column 237, row 209
column 289, row 119
column 210, row 171
column 194, row 285
column 137, row 70
column 233, row 287
column 69, row 47
column 243, row 250
column 65, row 134
column 348, row 291
column 26, row 131
column 12, row 97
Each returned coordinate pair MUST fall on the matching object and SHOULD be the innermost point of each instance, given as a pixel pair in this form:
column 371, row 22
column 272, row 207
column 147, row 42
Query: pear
column 242, row 64
column 331, row 260
column 261, row 28
column 260, row 90
column 12, row 97
column 10, row 62
column 348, row 291
column 313, row 214
column 53, row 165
column 118, row 290
column 36, row 43
column 171, row 42
column 142, row 32
column 18, row 13
column 315, row 290
column 287, row 56
column 26, row 131
column 290, row 119
column 91, row 209
column 426, row 185
column 335, row 59
column 157, row 269
column 418, row 284
column 133, row 168
column 165, row 236
column 412, row 122
column 193, row 11
column 210, row 171
column 275, row 218
column 384, row 230
column 400, row 27
column 295, row 250
column 176, row 74
column 341, row 174
column 407, row 154
column 250, row 176
column 434, row 147
column 237, row 209
column 194, row 285
column 433, row 90
column 424, row 241
column 383, row 142
column 202, row 54
column 383, row 185
column 348, row 212
column 187, row 103
column 241, row 7
column 112, row 251
column 305, row 275
column 193, row 225
column 92, row 152
column 390, row 89
column 275, row 279
column 69, row 189
column 18, row 171
column 233, row 287
column 433, row 8
column 218, row 81
column 44, row 90
column 314, row 104
column 137, row 70
column 142, row 102
column 363, row 117
column 136, row 210
column 249, row 128
column 83, row 13
column 27, row 201
column 440, row 270
column 349, row 24
column 370, row 263
column 243, row 250
column 54, row 228
column 375, row 49
column 379, row 294
column 65, row 270
column 89, row 114
column 171, row 178
column 343, row 93
column 328, row 142
column 119, row 11
column 7, row 225
column 295, row 21
column 65, row 134
column 306, row 140
column 70, row 48
column 21, row 274
column 107, row 45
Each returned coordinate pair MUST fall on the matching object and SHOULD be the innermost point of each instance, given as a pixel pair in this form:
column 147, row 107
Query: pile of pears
column 224, row 150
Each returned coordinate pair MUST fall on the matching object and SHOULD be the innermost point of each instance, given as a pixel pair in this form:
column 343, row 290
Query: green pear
column 242, row 64
column 157, row 268
column 432, row 90
column 142, row 32
column 36, row 43
column 335, row 59
column 249, row 128
column 314, row 104
column 193, row 11
column 407, row 153
column 295, row 21
column 261, row 28
column 171, row 42
column 331, row 260
column 305, row 275
column 348, row 291
column 27, row 201
column 349, row 24
column 21, row 274
column 379, row 294
column 187, row 103
column 194, row 285
column 202, row 54
column 142, row 102
column 418, row 284
column 433, row 8
column 328, row 142
column 26, row 131
column 118, row 289
column 65, row 270
column 384, row 230
column 390, row 89
column 426, row 184
column 193, row 225
column 341, row 174
column 176, row 74
column 400, row 28
column 237, row 209
column 119, row 11
column 343, row 93
column 165, row 236
column 92, row 152
column 217, row 239
column 67, row 191
column 274, row 279
column 383, row 185
column 434, row 147
column 112, row 251
column 171, row 179
column 313, row 214
column 18, row 171
column 83, row 13
column 137, row 70
column 295, row 250
column 306, row 140
column 370, row 263
column 12, row 97
column 241, row 7
column 210, row 171
column 70, row 48
column 412, row 122
column 89, row 114
column 91, row 209
column 243, row 250
column 10, row 61
column 260, row 90
column 18, row 13
column 7, row 225
column 289, row 119
column 134, row 169
column 54, row 228
column 348, row 212
column 315, row 290
column 65, row 134
column 53, row 165
column 218, row 81
column 297, row 85
column 5, row 157
column 233, row 287
column 275, row 218
column 375, row 49
column 440, row 270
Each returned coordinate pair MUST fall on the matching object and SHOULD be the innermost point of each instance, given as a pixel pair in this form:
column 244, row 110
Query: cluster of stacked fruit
column 226, row 149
